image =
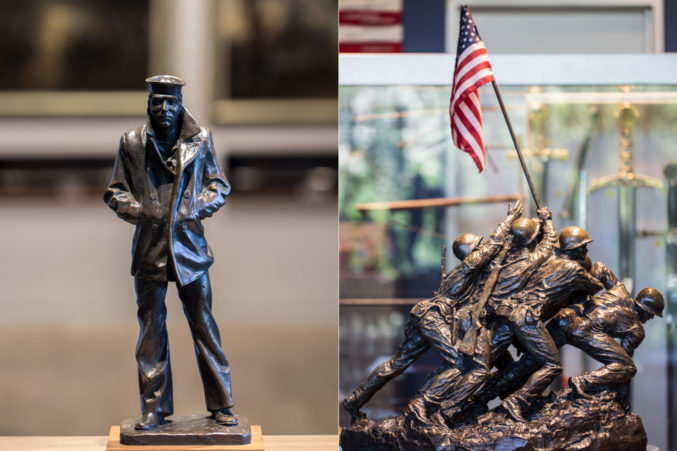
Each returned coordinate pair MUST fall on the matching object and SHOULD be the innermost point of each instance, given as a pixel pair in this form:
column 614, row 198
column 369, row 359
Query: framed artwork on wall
column 275, row 61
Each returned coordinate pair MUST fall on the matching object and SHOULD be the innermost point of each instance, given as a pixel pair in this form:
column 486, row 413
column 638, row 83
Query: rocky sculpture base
column 563, row 422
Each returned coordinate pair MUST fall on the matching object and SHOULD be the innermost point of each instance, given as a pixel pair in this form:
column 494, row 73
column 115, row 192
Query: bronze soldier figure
column 167, row 179
column 430, row 324
column 508, row 303
column 521, row 315
column 486, row 336
column 593, row 325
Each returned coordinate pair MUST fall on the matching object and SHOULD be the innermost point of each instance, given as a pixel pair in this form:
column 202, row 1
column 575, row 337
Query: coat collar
column 189, row 128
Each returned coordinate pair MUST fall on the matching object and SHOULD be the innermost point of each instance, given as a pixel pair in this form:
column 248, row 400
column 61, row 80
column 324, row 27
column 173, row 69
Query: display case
column 599, row 134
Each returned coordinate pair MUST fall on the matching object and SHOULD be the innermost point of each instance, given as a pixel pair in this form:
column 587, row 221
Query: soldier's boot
column 439, row 419
column 418, row 412
column 512, row 405
column 580, row 386
column 623, row 396
column 352, row 405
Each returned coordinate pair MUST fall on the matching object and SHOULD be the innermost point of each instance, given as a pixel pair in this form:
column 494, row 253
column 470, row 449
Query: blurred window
column 276, row 51
column 69, row 45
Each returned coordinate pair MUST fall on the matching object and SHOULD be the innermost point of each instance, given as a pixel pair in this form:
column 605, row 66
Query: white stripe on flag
column 471, row 81
column 365, row 33
column 468, row 67
column 470, row 117
column 468, row 51
column 476, row 148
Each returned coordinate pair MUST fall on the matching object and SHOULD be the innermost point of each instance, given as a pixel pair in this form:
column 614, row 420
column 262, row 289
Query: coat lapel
column 188, row 149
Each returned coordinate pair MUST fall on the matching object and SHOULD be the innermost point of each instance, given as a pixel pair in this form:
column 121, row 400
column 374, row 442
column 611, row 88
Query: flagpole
column 517, row 147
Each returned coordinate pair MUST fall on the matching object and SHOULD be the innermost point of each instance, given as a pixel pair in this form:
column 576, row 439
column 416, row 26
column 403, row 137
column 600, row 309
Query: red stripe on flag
column 371, row 47
column 481, row 66
column 474, row 87
column 465, row 146
column 473, row 109
column 470, row 57
column 367, row 17
column 471, row 128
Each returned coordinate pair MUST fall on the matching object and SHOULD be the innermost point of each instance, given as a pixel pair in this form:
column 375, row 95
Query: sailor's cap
column 165, row 84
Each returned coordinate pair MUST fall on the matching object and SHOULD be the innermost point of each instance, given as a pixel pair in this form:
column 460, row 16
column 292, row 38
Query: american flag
column 472, row 71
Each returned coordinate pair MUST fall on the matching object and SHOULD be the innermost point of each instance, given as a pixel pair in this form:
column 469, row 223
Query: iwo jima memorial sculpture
column 530, row 288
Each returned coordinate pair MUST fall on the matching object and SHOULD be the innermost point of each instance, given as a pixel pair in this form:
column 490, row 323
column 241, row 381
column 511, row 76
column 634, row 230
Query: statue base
column 563, row 422
column 187, row 432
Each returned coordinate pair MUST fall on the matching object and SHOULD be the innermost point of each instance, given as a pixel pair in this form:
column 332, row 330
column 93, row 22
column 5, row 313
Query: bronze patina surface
column 530, row 289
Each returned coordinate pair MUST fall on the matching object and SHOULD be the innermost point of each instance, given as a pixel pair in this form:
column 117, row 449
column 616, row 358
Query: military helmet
column 573, row 237
column 524, row 230
column 651, row 300
column 465, row 244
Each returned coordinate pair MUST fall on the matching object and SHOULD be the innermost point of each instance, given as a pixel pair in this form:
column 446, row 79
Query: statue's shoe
column 150, row 420
column 350, row 406
column 224, row 417
column 579, row 385
column 512, row 406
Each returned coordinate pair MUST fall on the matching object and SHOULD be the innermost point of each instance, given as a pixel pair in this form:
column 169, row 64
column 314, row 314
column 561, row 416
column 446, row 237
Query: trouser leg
column 618, row 365
column 532, row 334
column 501, row 339
column 411, row 348
column 214, row 368
column 152, row 348
column 451, row 389
column 515, row 374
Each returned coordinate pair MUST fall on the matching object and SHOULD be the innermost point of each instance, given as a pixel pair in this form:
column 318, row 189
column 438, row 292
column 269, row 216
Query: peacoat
column 167, row 203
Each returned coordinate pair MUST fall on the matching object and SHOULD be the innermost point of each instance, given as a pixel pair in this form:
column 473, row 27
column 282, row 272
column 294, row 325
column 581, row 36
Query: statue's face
column 644, row 316
column 578, row 253
column 164, row 109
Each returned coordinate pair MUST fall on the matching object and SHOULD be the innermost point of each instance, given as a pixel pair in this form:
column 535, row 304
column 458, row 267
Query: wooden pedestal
column 255, row 445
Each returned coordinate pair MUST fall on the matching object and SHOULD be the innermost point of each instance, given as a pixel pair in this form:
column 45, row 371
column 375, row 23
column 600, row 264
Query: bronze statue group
column 526, row 287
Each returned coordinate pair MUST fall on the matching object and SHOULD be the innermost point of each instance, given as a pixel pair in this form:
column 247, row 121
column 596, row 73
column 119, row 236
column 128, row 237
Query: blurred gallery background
column 591, row 90
column 263, row 75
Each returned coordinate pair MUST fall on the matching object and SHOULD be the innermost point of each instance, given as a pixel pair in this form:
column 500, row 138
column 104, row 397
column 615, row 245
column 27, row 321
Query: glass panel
column 395, row 144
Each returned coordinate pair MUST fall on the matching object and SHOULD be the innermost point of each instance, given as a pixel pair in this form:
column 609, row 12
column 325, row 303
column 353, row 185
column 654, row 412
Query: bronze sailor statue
column 166, row 180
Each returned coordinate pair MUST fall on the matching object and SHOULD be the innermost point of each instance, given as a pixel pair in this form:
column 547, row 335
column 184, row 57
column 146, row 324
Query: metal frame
column 516, row 70
column 654, row 21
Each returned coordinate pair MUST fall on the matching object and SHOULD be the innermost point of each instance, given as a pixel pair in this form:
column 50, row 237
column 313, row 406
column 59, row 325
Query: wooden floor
column 92, row 443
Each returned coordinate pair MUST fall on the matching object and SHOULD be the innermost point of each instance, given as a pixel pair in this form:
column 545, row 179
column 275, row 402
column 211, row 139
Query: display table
column 96, row 443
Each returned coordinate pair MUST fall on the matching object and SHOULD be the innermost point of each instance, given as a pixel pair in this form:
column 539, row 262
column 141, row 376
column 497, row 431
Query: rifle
column 440, row 292
column 470, row 339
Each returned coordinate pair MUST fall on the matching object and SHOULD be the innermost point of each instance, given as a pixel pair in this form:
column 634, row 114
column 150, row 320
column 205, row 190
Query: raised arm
column 484, row 253
column 215, row 187
column 632, row 339
column 118, row 195
column 464, row 272
column 585, row 282
column 546, row 247
column 602, row 273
